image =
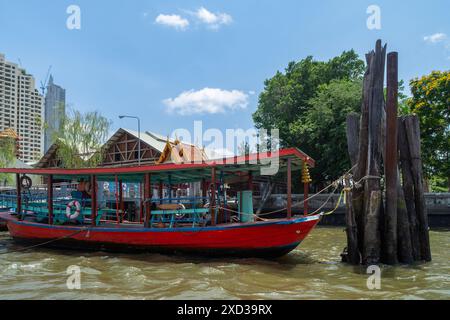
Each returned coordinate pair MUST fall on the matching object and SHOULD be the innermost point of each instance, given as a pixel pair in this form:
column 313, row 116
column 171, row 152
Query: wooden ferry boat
column 204, row 224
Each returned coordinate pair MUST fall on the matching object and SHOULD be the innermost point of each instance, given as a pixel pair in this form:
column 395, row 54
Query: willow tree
column 80, row 139
column 7, row 157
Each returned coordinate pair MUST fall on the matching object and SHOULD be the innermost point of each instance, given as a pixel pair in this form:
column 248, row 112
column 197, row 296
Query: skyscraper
column 21, row 109
column 55, row 109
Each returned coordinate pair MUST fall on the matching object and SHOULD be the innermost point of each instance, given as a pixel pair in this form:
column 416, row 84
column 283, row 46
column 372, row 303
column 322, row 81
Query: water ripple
column 313, row 271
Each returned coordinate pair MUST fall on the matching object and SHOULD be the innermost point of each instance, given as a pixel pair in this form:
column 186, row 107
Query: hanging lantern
column 306, row 178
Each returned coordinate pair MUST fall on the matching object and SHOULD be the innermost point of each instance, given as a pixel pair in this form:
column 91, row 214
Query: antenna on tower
column 20, row 62
column 44, row 84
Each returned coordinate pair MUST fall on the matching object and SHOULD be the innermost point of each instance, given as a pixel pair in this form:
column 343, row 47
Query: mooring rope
column 47, row 242
column 335, row 183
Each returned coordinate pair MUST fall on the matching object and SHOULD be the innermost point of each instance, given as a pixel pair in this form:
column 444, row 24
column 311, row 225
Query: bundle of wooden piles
column 386, row 214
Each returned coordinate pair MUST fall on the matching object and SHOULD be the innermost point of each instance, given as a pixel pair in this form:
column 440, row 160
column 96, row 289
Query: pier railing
column 434, row 201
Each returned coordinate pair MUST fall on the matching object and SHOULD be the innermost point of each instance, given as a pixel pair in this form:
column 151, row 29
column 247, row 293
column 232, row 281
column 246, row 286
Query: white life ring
column 69, row 214
column 180, row 207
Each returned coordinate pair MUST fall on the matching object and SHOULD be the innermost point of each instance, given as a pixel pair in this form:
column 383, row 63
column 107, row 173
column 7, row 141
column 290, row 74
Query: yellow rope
column 341, row 196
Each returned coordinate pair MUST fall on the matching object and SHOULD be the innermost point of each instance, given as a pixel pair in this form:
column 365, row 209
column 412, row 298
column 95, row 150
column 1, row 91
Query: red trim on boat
column 243, row 237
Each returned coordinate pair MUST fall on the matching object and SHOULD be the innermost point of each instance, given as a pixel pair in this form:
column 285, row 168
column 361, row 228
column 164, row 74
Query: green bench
column 170, row 216
column 59, row 213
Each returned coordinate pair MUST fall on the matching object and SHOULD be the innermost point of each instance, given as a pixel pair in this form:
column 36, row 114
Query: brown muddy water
column 313, row 271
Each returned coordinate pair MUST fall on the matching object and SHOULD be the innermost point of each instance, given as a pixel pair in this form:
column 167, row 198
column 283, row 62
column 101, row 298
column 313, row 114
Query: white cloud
column 173, row 20
column 435, row 38
column 213, row 20
column 207, row 100
column 218, row 153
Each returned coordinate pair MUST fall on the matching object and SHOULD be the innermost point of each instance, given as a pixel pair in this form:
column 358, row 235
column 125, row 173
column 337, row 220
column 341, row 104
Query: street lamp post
column 139, row 135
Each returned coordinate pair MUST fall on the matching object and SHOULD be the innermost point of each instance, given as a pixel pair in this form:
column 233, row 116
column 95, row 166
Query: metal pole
column 139, row 142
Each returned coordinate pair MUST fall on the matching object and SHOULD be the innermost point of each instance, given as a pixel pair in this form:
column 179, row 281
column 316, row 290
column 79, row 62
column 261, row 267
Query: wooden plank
column 372, row 187
column 408, row 189
column 413, row 135
column 390, row 163
column 372, row 249
column 353, row 121
column 353, row 255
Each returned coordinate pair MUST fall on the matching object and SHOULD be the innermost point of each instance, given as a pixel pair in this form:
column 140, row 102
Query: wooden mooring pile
column 386, row 215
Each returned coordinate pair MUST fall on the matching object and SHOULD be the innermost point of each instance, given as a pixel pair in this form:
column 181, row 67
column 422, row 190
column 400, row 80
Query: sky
column 174, row 62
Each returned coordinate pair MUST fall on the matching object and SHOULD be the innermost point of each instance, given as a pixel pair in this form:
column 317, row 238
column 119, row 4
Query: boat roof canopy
column 227, row 169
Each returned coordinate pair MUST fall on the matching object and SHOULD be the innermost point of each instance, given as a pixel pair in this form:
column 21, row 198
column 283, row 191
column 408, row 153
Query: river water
column 313, row 271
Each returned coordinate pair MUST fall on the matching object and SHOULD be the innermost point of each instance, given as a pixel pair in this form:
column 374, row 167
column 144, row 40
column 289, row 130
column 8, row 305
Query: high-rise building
column 55, row 109
column 21, row 109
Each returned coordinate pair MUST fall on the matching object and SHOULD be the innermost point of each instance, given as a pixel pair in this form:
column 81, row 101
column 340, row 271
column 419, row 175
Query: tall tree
column 431, row 102
column 288, row 98
column 325, row 125
column 80, row 139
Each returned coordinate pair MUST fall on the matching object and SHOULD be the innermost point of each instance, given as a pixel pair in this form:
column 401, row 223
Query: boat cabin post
column 148, row 199
column 19, row 195
column 170, row 188
column 141, row 202
column 306, row 180
column 212, row 204
column 161, row 192
column 116, row 194
column 121, row 203
column 289, row 188
column 250, row 181
column 50, row 199
column 204, row 191
column 94, row 199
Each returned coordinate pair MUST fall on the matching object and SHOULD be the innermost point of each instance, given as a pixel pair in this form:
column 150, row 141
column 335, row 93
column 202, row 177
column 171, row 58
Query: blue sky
column 127, row 60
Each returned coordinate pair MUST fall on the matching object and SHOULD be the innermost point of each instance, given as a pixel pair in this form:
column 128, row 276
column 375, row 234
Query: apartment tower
column 21, row 109
column 55, row 110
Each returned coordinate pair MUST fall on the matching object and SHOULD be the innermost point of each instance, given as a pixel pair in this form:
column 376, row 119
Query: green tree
column 288, row 98
column 80, row 139
column 325, row 125
column 7, row 157
column 431, row 102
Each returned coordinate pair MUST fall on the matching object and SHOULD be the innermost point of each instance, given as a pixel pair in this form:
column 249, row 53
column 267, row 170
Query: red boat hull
column 269, row 239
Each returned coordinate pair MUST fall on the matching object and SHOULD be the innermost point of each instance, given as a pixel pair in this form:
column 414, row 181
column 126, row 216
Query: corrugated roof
column 153, row 140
